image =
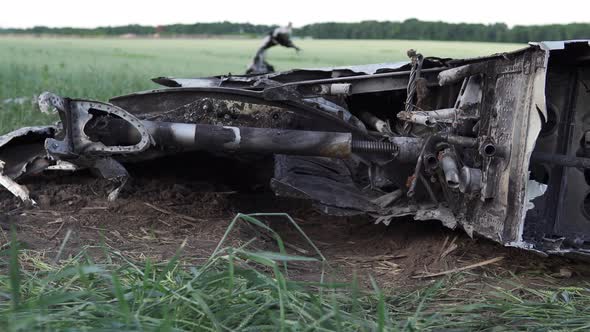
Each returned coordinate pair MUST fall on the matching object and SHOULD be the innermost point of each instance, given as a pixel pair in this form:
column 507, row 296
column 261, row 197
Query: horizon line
column 295, row 27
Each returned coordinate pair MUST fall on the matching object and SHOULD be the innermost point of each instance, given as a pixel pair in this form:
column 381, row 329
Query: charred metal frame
column 496, row 145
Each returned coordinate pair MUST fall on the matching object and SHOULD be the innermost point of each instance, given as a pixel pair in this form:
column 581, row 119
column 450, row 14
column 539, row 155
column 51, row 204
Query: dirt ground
column 158, row 210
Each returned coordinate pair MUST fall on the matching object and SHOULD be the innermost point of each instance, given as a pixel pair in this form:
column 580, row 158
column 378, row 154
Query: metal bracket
column 75, row 114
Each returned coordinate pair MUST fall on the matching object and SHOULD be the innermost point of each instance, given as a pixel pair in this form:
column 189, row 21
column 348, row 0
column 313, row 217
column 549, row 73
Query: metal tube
column 449, row 167
column 561, row 160
column 229, row 138
column 409, row 148
column 428, row 146
column 375, row 123
column 470, row 180
column 430, row 161
column 421, row 118
column 443, row 114
column 428, row 189
column 339, row 89
column 357, row 77
column 457, row 74
column 170, row 136
column 165, row 133
column 464, row 141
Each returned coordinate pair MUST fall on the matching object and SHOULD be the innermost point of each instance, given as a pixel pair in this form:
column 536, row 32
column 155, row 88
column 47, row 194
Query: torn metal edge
column 6, row 138
column 16, row 189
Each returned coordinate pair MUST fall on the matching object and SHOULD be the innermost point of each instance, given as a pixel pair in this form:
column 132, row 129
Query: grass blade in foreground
column 245, row 289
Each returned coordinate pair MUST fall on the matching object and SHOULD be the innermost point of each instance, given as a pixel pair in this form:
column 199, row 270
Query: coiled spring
column 374, row 146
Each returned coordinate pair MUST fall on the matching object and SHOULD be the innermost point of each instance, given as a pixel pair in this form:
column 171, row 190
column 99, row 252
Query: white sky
column 85, row 13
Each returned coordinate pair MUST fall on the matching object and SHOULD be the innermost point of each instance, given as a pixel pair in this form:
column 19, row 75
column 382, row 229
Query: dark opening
column 586, row 206
column 551, row 122
column 489, row 150
column 540, row 173
column 431, row 161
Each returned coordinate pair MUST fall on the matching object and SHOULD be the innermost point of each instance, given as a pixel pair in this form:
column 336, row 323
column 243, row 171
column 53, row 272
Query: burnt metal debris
column 278, row 36
column 498, row 146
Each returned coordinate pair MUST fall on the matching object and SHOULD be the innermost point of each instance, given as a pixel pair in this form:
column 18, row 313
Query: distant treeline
column 220, row 28
column 409, row 29
column 415, row 29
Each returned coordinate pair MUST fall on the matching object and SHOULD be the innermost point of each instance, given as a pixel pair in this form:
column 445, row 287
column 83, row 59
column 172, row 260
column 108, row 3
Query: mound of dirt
column 165, row 205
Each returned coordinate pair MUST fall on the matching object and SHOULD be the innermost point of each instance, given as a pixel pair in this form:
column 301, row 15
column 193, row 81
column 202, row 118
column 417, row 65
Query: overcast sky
column 84, row 13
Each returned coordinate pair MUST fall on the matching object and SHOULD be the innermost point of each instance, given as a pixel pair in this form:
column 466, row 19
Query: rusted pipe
column 247, row 139
column 429, row 145
column 417, row 117
column 375, row 123
column 457, row 74
column 428, row 118
column 448, row 164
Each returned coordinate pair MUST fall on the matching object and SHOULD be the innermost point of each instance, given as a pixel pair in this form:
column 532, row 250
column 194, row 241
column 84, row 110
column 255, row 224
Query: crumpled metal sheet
column 30, row 147
column 361, row 69
column 17, row 190
column 28, row 155
column 420, row 212
column 188, row 82
column 336, row 71
column 557, row 44
column 326, row 181
column 41, row 130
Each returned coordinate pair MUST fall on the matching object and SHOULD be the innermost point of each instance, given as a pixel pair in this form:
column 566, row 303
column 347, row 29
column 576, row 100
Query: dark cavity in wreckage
column 498, row 146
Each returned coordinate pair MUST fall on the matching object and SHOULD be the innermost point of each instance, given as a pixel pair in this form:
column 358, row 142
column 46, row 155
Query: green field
column 102, row 68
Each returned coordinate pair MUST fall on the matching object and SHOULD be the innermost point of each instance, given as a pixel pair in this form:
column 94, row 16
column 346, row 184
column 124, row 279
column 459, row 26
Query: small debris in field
column 171, row 213
column 565, row 273
column 468, row 267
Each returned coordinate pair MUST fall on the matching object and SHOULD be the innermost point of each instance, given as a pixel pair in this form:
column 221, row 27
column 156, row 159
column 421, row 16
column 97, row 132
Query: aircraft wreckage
column 498, row 146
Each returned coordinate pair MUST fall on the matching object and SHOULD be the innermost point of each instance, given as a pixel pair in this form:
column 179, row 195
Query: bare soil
column 164, row 206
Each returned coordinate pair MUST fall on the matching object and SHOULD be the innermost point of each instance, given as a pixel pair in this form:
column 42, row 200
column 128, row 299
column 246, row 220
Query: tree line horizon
column 412, row 29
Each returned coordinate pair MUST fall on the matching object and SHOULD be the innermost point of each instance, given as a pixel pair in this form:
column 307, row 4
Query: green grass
column 102, row 68
column 245, row 289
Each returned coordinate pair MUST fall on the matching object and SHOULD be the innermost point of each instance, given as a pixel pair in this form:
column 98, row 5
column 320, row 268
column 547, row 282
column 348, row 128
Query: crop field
column 175, row 253
column 102, row 68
